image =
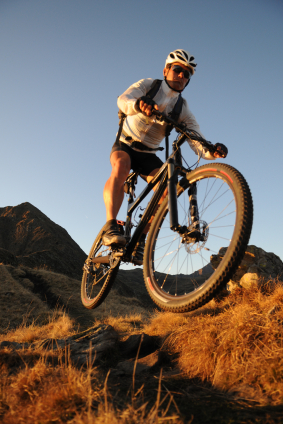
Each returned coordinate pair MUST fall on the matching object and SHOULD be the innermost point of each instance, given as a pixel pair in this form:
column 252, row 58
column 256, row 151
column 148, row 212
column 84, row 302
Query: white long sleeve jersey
column 148, row 130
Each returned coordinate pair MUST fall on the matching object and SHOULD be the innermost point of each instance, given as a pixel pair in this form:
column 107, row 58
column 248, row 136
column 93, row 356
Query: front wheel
column 98, row 278
column 183, row 271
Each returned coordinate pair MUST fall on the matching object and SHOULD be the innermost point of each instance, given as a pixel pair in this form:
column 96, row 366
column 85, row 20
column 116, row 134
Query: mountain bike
column 196, row 241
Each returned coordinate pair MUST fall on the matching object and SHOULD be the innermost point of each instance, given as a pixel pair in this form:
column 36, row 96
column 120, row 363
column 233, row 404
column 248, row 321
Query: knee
column 121, row 169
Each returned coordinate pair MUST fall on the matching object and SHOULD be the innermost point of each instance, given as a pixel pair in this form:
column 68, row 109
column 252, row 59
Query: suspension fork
column 173, row 205
column 131, row 192
column 193, row 206
column 172, row 195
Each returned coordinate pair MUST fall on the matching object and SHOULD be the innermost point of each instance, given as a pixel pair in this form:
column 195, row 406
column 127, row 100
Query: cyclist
column 142, row 134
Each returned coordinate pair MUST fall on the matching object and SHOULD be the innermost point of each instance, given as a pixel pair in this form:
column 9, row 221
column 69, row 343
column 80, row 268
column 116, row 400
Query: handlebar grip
column 157, row 113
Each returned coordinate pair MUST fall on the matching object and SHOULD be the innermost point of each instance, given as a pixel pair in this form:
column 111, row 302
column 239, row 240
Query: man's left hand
column 222, row 151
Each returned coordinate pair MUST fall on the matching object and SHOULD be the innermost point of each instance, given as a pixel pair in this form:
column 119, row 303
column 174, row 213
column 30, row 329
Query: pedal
column 116, row 257
column 121, row 223
column 86, row 267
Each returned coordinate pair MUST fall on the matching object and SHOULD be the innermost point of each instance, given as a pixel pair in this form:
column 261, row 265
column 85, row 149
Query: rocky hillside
column 41, row 270
column 29, row 238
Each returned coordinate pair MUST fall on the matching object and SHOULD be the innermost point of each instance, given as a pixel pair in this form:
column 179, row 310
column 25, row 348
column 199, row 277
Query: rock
column 145, row 347
column 99, row 347
column 257, row 267
column 138, row 366
column 143, row 342
column 139, row 353
column 12, row 345
column 27, row 284
column 90, row 345
column 128, row 368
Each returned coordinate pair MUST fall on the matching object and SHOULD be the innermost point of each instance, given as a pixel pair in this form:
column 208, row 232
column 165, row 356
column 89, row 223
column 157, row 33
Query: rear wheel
column 98, row 278
column 184, row 271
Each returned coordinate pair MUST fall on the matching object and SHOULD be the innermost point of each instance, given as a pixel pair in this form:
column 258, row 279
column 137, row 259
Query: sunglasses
column 178, row 69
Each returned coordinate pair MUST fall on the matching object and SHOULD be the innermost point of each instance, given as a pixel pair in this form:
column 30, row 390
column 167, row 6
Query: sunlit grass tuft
column 59, row 326
column 240, row 348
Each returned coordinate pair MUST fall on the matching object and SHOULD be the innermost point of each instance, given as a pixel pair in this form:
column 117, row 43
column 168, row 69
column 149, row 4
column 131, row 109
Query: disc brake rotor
column 196, row 238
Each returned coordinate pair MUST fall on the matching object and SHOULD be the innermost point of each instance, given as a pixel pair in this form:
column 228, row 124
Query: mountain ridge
column 29, row 238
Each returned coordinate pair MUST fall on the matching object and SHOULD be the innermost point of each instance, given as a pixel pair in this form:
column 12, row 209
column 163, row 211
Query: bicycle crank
column 112, row 259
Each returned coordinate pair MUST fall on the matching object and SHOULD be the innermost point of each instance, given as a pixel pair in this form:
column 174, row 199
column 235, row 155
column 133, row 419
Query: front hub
column 195, row 236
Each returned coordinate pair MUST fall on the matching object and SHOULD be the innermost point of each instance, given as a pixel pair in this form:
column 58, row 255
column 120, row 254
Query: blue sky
column 65, row 62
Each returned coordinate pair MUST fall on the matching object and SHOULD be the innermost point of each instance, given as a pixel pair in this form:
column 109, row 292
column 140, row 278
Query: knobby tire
column 182, row 276
column 98, row 280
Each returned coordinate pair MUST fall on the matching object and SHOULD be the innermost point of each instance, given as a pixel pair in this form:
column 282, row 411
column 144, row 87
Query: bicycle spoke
column 181, row 266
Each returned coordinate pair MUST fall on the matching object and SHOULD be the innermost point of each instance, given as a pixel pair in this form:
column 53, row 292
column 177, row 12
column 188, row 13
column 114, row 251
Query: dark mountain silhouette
column 31, row 242
column 41, row 270
column 29, row 238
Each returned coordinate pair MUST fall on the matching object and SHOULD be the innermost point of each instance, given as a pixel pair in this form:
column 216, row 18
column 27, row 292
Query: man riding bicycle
column 142, row 134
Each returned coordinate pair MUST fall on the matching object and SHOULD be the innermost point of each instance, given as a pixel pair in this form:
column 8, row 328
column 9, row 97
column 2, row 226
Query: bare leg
column 113, row 193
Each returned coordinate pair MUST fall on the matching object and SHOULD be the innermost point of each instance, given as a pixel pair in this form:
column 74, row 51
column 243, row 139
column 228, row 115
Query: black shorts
column 141, row 162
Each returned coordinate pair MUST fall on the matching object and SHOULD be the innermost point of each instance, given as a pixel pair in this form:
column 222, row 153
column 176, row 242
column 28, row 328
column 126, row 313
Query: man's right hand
column 146, row 104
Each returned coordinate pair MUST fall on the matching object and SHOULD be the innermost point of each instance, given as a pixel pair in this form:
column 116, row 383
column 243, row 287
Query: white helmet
column 181, row 56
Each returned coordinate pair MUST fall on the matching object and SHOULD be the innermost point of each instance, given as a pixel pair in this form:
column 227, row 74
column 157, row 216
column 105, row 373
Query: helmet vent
column 192, row 58
column 185, row 54
column 172, row 55
column 180, row 57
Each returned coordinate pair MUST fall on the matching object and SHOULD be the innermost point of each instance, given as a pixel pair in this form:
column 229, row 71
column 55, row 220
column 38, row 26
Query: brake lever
column 159, row 115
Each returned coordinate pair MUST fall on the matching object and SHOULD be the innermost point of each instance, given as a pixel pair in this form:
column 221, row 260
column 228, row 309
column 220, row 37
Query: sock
column 110, row 222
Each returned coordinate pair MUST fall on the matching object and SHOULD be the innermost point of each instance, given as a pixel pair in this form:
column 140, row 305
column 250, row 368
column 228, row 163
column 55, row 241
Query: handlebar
column 181, row 128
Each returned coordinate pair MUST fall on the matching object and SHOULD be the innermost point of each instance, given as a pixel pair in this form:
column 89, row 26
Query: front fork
column 172, row 195
column 173, row 206
column 193, row 208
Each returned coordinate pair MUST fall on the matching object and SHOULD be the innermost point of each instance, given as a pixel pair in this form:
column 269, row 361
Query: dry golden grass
column 42, row 392
column 237, row 345
column 46, row 394
column 59, row 326
column 164, row 323
column 128, row 324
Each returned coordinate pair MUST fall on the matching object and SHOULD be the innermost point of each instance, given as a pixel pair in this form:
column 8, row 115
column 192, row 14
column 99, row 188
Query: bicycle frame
column 161, row 178
column 166, row 176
